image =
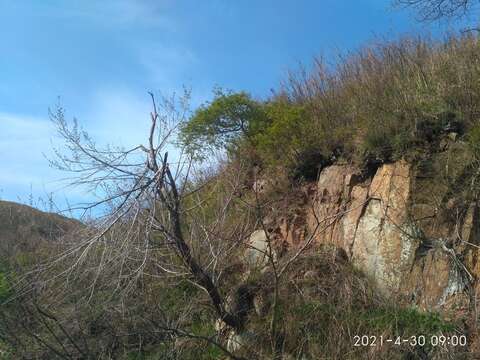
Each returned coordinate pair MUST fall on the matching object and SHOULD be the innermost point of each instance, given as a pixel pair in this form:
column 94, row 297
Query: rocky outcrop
column 337, row 206
column 385, row 239
column 368, row 219
column 406, row 230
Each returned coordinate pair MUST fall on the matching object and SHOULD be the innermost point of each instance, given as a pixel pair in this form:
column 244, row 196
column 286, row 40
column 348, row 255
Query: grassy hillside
column 23, row 229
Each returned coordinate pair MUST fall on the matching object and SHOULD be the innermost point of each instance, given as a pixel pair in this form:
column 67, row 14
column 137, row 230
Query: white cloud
column 24, row 170
column 22, row 126
column 23, row 140
column 122, row 118
column 115, row 115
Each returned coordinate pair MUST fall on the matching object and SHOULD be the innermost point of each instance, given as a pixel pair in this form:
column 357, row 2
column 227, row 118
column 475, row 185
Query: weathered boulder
column 257, row 253
column 437, row 281
column 220, row 326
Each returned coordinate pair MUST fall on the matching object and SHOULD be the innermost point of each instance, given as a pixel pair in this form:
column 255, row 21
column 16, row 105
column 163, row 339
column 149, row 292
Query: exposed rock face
column 385, row 241
column 412, row 228
column 437, row 281
column 326, row 219
column 368, row 219
column 398, row 238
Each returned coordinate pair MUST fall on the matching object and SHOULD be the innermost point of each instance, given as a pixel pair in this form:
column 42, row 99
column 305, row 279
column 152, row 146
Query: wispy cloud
column 23, row 141
column 167, row 64
column 116, row 116
column 26, row 145
column 119, row 116
column 24, row 171
column 142, row 13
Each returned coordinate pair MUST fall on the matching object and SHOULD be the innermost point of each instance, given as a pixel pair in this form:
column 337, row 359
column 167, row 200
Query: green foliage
column 283, row 139
column 194, row 350
column 220, row 123
column 317, row 321
column 175, row 298
column 25, row 259
column 290, row 140
column 377, row 147
column 5, row 288
column 398, row 98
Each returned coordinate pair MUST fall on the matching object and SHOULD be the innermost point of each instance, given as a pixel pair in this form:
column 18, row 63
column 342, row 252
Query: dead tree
column 142, row 195
column 430, row 10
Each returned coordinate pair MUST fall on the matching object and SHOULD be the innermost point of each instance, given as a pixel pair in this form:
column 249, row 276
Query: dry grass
column 388, row 100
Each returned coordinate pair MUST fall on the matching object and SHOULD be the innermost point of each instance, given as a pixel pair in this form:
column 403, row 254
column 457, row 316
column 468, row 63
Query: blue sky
column 101, row 58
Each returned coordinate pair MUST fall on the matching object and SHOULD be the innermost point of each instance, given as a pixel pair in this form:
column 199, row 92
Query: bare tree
column 145, row 226
column 429, row 10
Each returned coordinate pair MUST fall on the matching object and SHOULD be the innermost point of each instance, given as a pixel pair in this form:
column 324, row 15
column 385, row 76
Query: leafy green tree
column 219, row 124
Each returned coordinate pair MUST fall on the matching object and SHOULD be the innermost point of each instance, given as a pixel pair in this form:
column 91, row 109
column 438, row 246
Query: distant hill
column 23, row 228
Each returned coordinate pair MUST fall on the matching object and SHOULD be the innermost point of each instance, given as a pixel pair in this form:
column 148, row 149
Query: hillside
column 343, row 212
column 24, row 228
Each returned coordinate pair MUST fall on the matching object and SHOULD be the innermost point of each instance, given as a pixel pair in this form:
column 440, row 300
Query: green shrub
column 6, row 352
column 377, row 147
column 405, row 321
column 290, row 140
